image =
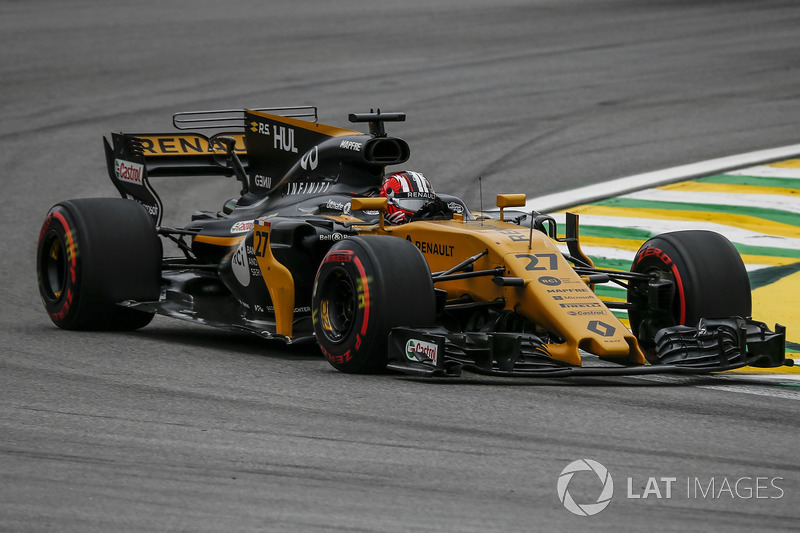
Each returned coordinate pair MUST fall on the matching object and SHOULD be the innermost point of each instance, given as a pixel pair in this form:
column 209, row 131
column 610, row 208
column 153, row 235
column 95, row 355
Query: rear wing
column 236, row 119
column 133, row 158
column 274, row 150
column 196, row 154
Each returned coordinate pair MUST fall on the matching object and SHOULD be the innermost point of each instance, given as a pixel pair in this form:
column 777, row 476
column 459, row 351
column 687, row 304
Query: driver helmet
column 406, row 191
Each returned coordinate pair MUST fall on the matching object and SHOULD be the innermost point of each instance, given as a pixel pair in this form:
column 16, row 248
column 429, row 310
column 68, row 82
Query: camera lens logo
column 587, row 509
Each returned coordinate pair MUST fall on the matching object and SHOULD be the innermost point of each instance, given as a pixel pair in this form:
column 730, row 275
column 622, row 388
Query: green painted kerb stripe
column 612, row 264
column 771, row 252
column 775, row 215
column 609, row 232
column 768, row 276
column 640, row 236
column 778, row 183
column 611, row 291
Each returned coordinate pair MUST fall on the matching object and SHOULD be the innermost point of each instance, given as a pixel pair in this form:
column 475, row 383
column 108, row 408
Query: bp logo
column 586, row 509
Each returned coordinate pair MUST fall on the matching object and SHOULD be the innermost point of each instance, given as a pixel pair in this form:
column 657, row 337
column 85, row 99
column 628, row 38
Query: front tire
column 92, row 254
column 366, row 286
column 709, row 279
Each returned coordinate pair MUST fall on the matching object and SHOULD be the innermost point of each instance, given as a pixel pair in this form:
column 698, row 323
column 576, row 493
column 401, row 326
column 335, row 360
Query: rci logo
column 587, row 509
column 549, row 281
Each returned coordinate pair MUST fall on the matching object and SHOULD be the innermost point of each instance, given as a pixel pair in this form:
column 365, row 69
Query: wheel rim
column 645, row 323
column 53, row 267
column 669, row 276
column 338, row 306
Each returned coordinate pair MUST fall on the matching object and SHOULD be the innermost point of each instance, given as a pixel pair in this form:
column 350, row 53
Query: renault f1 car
column 305, row 253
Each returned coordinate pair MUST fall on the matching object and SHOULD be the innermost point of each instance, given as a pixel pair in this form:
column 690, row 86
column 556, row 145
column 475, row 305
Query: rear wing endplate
column 128, row 172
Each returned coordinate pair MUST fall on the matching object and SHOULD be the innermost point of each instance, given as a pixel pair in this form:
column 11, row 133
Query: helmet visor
column 411, row 204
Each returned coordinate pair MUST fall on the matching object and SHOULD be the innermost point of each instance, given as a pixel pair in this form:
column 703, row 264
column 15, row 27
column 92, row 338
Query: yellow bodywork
column 552, row 295
column 280, row 284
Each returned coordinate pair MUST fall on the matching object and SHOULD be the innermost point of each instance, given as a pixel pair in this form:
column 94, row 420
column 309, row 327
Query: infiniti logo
column 310, row 159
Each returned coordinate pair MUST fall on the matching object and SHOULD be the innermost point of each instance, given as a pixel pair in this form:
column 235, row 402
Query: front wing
column 713, row 346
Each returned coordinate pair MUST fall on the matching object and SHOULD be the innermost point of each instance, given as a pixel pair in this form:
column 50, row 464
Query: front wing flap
column 725, row 341
column 713, row 346
column 436, row 352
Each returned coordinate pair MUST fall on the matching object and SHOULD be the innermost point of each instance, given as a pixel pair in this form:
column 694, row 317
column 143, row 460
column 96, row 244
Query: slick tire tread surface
column 710, row 278
column 392, row 287
column 111, row 253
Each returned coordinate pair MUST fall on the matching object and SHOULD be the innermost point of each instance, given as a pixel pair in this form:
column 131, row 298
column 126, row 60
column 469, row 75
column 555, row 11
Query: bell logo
column 587, row 509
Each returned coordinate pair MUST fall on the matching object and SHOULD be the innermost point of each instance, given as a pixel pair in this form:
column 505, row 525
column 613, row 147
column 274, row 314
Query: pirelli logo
column 177, row 145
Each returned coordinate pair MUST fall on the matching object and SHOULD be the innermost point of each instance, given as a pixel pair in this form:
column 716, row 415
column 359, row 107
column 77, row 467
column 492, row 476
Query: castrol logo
column 127, row 171
column 417, row 350
column 242, row 227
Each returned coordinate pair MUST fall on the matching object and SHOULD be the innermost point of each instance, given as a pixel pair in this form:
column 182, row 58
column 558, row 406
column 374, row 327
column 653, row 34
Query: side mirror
column 370, row 204
column 510, row 200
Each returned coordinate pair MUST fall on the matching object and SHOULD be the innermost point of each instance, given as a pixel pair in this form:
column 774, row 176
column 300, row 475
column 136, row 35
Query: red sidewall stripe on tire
column 681, row 294
column 365, row 287
column 66, row 298
column 676, row 274
column 71, row 248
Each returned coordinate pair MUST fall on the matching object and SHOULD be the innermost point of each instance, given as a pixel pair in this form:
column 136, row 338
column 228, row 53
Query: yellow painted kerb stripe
column 751, row 223
column 789, row 163
column 696, row 186
column 775, row 370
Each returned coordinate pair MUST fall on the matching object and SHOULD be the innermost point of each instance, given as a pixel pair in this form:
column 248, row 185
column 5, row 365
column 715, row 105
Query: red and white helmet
column 407, row 191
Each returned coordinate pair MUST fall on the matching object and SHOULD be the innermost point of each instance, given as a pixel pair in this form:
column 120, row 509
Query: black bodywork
column 306, row 197
column 301, row 181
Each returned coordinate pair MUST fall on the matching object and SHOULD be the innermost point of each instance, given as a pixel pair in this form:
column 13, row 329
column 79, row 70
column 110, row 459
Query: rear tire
column 92, row 254
column 709, row 277
column 366, row 286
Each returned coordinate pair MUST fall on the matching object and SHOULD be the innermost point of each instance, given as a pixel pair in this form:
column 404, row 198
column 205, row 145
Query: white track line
column 591, row 193
column 786, row 203
column 632, row 184
column 763, row 171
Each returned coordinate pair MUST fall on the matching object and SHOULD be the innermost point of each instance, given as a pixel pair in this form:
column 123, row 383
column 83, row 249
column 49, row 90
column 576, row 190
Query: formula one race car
column 308, row 251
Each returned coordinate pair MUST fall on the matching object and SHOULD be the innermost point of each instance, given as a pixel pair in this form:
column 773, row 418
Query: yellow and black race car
column 313, row 249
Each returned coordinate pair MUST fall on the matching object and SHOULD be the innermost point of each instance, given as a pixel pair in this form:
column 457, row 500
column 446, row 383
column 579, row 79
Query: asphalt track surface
column 181, row 428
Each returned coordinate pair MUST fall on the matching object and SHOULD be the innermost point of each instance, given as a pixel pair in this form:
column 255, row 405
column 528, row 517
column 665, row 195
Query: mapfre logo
column 586, row 509
column 128, row 171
